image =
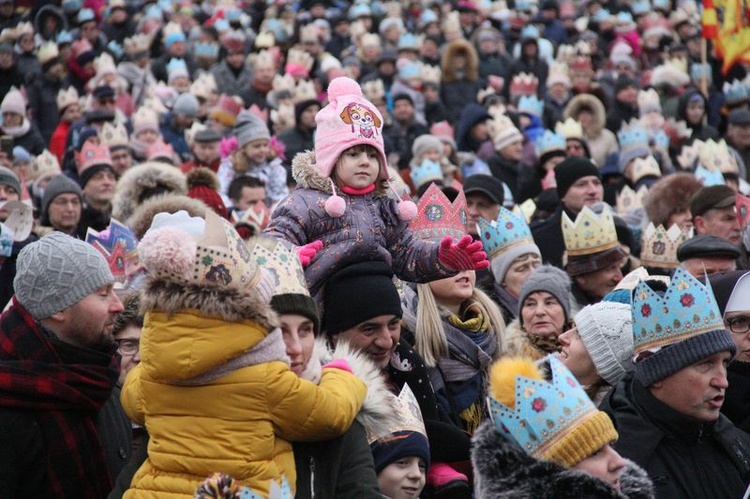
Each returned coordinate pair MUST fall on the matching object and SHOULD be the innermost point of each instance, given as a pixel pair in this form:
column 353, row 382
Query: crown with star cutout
column 659, row 245
column 687, row 309
column 590, row 233
column 628, row 199
column 504, row 233
column 437, row 217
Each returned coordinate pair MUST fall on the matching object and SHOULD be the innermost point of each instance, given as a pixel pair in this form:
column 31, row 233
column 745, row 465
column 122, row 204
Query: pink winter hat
column 348, row 120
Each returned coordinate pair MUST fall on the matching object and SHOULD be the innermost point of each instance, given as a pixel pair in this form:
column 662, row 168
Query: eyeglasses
column 128, row 346
column 738, row 325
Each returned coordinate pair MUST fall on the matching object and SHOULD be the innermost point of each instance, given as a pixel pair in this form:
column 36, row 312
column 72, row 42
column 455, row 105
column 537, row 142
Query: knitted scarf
column 65, row 396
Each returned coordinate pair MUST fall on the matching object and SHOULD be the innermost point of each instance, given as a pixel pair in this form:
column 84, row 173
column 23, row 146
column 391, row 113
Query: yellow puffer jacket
column 215, row 394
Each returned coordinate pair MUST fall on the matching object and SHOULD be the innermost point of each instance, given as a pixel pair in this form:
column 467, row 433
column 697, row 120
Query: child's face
column 257, row 150
column 433, row 155
column 148, row 136
column 358, row 167
column 404, row 478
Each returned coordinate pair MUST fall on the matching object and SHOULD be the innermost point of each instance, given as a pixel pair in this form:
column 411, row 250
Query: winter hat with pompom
column 349, row 120
column 606, row 329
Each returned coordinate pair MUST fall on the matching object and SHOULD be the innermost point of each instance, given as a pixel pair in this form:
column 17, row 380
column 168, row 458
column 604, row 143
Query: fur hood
column 144, row 214
column 378, row 411
column 447, row 61
column 587, row 100
column 306, row 176
column 503, row 470
column 144, row 181
column 669, row 195
column 225, row 302
column 517, row 343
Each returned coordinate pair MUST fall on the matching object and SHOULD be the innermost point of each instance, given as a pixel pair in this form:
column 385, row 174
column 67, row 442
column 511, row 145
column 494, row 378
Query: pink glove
column 307, row 252
column 339, row 364
column 463, row 255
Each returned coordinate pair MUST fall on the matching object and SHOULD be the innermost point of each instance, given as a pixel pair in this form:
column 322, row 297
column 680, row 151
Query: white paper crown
column 659, row 245
column 408, row 417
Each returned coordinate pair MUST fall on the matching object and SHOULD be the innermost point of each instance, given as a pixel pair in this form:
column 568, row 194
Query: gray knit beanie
column 550, row 279
column 249, row 127
column 9, row 178
column 424, row 143
column 59, row 184
column 186, row 105
column 57, row 272
column 606, row 329
column 501, row 263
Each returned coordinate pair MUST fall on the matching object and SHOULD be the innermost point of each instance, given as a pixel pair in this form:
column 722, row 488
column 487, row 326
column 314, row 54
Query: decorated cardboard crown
column 525, row 210
column 114, row 135
column 735, row 92
column 265, row 59
column 659, row 245
column 431, row 74
column 437, row 217
column 708, row 177
column 509, row 230
column 92, row 155
column 137, row 44
column 628, row 199
column 17, row 227
column 408, row 417
column 425, row 172
column 715, row 156
column 743, row 209
column 648, row 101
column 104, row 64
column 160, row 150
column 530, row 104
column 256, row 217
column 689, row 155
column 660, row 139
column 264, row 40
column 548, row 142
column 304, row 91
column 66, row 97
column 644, row 167
column 687, row 309
column 119, row 246
column 524, row 84
column 632, row 135
column 194, row 129
column 590, row 233
column 177, row 68
column 283, row 265
column 570, row 129
column 204, row 87
column 374, row 90
column 581, row 64
column 172, row 28
column 47, row 52
column 45, row 165
column 145, row 118
column 298, row 62
column 630, row 281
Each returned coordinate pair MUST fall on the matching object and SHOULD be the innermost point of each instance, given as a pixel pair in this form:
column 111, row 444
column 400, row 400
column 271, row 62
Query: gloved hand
column 466, row 254
column 308, row 251
column 342, row 364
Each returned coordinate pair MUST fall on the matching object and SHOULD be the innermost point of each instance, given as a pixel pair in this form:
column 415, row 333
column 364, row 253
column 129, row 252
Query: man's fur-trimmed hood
column 503, row 470
column 307, row 176
column 144, row 214
column 139, row 181
column 590, row 101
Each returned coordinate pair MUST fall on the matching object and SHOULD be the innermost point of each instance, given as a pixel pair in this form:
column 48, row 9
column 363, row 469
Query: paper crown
column 581, row 64
column 408, row 417
column 172, row 29
column 660, row 139
column 686, row 310
column 145, row 118
column 119, row 246
column 590, row 233
column 177, row 68
column 93, row 155
column 425, row 172
column 137, row 44
column 47, row 52
column 659, row 245
column 628, row 199
column 630, row 281
column 194, row 129
column 548, row 142
column 114, row 135
column 524, row 84
column 104, row 64
column 632, row 134
column 160, row 150
column 689, row 155
column 431, row 74
column 374, row 90
column 266, row 59
column 408, row 41
column 437, row 217
column 743, row 209
column 530, row 104
column 298, row 63
column 224, row 486
column 45, row 164
column 708, row 177
column 204, row 87
column 545, row 413
column 283, row 265
column 66, row 97
column 17, row 227
column 735, row 92
column 304, row 91
column 715, row 156
column 641, row 7
column 570, row 129
column 264, row 40
column 644, row 167
column 507, row 231
column 648, row 101
column 207, row 50
column 256, row 216
column 525, row 210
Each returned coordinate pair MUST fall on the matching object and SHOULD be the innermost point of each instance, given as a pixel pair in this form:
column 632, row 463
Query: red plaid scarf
column 65, row 398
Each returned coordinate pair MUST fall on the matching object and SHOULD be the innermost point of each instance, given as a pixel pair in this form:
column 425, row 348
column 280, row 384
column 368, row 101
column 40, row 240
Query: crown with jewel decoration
column 204, row 87
column 374, row 90
column 407, row 417
column 550, row 420
column 530, row 104
column 137, row 44
column 687, row 309
column 92, row 155
column 47, row 52
column 283, row 265
column 632, row 135
column 742, row 204
column 644, row 167
column 735, row 92
column 437, row 217
column 590, row 233
column 66, row 97
column 119, row 246
column 628, row 199
column 45, row 165
column 114, row 135
column 425, row 172
column 715, row 156
column 524, row 84
column 549, row 142
column 708, row 177
column 508, row 231
column 659, row 245
column 525, row 210
column 570, row 129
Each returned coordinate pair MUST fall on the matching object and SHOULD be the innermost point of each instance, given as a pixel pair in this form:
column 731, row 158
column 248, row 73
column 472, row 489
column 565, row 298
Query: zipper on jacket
column 312, row 478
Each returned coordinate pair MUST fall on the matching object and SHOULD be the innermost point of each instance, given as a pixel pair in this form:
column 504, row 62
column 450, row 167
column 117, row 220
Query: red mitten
column 342, row 364
column 466, row 254
column 307, row 252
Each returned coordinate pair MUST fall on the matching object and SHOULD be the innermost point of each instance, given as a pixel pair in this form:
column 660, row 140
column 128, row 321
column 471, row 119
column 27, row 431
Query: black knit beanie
column 299, row 304
column 570, row 170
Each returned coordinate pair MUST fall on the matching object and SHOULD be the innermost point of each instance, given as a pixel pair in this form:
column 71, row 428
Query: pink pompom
column 168, row 251
column 407, row 210
column 335, row 206
column 343, row 86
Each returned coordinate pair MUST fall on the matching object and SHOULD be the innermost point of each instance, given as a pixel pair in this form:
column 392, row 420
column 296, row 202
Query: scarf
column 18, row 131
column 66, row 387
column 546, row 345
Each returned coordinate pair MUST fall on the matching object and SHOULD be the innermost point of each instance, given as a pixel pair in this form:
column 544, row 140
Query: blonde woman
column 458, row 331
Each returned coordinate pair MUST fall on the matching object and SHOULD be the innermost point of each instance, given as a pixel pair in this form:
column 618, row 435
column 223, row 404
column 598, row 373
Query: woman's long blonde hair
column 430, row 340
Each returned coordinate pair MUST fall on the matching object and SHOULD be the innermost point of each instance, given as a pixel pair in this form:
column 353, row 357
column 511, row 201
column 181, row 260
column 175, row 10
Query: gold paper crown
column 190, row 132
column 204, row 86
column 628, row 199
column 47, row 52
column 45, row 164
column 570, row 129
column 715, row 156
column 659, row 245
column 137, row 44
column 408, row 417
column 283, row 265
column 114, row 135
column 374, row 90
column 527, row 209
column 304, row 91
column 67, row 97
column 431, row 74
column 265, row 40
column 590, row 233
column 644, row 167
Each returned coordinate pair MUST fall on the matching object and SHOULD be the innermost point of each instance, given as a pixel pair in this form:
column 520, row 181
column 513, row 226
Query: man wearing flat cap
column 707, row 255
column 714, row 213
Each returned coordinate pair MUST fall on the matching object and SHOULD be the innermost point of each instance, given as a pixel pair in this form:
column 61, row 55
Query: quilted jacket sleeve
column 290, row 220
column 130, row 397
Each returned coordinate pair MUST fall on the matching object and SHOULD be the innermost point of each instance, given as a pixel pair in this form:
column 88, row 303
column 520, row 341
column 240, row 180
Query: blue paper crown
column 687, row 309
column 360, row 10
column 425, row 172
column 735, row 91
column 697, row 70
column 641, row 7
column 661, row 4
column 206, row 49
column 531, row 104
column 708, row 177
column 64, row 37
column 661, row 139
column 632, row 135
column 624, row 17
column 549, row 141
column 544, row 411
column 85, row 15
column 177, row 65
column 408, row 41
column 502, row 234
column 115, row 49
column 601, row 15
column 427, row 17
column 523, row 5
column 530, row 32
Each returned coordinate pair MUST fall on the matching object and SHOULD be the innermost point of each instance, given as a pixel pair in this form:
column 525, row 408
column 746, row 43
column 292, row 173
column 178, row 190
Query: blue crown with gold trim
column 530, row 104
column 545, row 411
column 686, row 309
column 709, row 177
column 632, row 135
column 425, row 172
column 548, row 142
column 502, row 234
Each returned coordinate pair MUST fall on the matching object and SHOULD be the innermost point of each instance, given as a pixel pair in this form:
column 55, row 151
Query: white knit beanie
column 606, row 329
column 14, row 103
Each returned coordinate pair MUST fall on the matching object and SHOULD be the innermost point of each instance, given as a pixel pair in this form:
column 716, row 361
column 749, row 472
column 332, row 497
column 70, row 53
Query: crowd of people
column 325, row 249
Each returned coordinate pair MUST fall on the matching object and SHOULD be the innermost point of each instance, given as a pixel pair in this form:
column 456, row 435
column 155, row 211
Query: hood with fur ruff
column 144, row 214
column 590, row 101
column 142, row 182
